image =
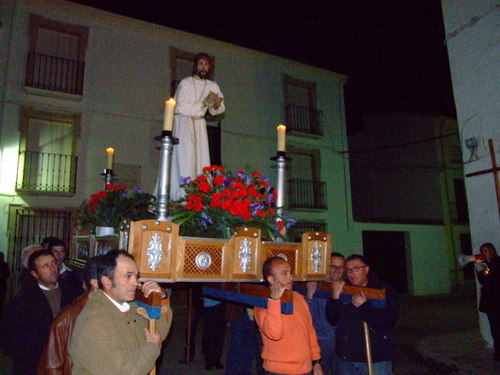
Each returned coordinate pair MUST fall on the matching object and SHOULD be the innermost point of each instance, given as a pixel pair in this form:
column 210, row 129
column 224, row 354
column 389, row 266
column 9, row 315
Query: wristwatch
column 317, row 362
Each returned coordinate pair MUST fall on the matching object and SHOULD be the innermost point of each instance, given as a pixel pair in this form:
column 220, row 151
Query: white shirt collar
column 64, row 268
column 43, row 287
column 123, row 307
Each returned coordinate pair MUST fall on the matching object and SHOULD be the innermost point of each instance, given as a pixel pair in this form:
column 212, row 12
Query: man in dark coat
column 349, row 317
column 488, row 275
column 26, row 322
column 66, row 275
column 56, row 359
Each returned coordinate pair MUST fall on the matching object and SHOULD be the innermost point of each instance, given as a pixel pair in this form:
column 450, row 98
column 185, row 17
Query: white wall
column 474, row 52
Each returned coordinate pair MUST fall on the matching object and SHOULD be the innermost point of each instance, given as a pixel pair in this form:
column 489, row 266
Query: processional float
column 229, row 268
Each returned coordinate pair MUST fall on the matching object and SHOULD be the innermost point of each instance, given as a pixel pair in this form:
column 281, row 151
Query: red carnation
column 200, row 179
column 205, row 187
column 218, row 180
column 252, row 192
column 280, row 225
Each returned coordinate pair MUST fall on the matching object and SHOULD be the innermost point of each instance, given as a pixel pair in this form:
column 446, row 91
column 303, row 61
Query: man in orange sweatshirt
column 290, row 345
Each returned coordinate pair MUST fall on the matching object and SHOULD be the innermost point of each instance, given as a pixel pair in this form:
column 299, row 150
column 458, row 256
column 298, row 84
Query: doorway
column 385, row 252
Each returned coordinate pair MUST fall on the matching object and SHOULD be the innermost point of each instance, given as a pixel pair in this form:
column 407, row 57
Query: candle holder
column 281, row 160
column 108, row 177
column 167, row 142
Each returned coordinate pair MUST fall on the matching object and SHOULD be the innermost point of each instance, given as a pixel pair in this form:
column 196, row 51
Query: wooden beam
column 248, row 294
column 494, row 169
column 348, row 289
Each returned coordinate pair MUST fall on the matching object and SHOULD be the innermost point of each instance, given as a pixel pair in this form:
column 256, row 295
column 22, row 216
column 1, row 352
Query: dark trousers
column 214, row 323
column 196, row 315
column 494, row 320
column 245, row 347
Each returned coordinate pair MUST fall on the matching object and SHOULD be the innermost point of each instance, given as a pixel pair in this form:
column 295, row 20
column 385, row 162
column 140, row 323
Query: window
column 47, row 160
column 181, row 63
column 305, row 189
column 301, row 114
column 460, row 213
column 56, row 58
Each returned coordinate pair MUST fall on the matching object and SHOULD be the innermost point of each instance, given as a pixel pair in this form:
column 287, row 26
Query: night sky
column 393, row 51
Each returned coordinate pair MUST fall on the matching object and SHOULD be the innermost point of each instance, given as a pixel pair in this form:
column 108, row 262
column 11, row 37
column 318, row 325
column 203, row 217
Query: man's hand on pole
column 277, row 290
column 317, row 369
column 337, row 287
column 151, row 286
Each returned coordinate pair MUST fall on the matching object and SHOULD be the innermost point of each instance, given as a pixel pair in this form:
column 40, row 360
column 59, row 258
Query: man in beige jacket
column 110, row 336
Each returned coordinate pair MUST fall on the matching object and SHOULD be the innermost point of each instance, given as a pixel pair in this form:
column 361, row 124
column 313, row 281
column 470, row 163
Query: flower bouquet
column 218, row 201
column 108, row 208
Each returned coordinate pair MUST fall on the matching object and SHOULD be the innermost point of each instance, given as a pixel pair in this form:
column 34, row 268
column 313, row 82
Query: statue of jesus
column 194, row 96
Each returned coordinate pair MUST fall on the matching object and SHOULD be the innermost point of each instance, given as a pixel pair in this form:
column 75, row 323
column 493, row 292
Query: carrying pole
column 368, row 346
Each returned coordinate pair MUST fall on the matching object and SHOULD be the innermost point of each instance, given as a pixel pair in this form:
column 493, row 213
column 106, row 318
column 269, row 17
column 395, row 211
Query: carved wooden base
column 164, row 256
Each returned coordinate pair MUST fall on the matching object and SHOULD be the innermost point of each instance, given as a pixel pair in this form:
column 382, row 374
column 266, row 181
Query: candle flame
column 110, row 151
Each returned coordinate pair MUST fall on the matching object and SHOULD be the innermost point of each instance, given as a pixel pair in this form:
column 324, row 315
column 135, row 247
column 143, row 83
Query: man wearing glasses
column 349, row 317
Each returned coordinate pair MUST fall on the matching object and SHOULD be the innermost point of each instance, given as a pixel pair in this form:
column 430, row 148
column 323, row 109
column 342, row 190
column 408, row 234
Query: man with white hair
column 25, row 278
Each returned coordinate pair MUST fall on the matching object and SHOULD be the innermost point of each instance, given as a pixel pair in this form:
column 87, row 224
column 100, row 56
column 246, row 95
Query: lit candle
column 281, row 137
column 169, row 114
column 110, row 152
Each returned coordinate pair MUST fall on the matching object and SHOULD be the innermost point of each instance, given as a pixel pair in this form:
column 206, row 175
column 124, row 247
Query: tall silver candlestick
column 166, row 147
column 108, row 177
column 281, row 160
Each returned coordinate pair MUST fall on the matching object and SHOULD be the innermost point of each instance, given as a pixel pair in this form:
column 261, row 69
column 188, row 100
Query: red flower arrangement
column 109, row 207
column 216, row 201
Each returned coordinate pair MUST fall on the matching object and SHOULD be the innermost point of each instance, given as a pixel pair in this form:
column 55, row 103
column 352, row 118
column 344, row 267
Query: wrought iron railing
column 45, row 172
column 306, row 194
column 303, row 119
column 54, row 73
column 30, row 226
column 294, row 234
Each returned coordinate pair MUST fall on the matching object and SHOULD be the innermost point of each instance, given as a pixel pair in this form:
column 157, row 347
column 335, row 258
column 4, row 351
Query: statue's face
column 203, row 68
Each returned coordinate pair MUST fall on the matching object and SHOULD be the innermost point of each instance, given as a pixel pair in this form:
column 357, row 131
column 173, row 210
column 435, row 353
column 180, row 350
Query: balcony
column 303, row 120
column 294, row 234
column 46, row 173
column 306, row 194
column 54, row 74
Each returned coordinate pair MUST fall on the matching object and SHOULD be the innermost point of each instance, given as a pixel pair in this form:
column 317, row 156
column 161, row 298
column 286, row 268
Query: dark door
column 386, row 253
column 461, row 201
column 214, row 142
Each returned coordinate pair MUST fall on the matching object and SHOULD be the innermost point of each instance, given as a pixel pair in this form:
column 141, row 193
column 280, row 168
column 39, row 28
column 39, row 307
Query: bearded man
column 194, row 96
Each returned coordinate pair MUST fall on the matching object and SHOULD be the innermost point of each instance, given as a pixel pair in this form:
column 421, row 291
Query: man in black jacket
column 488, row 274
column 348, row 317
column 26, row 322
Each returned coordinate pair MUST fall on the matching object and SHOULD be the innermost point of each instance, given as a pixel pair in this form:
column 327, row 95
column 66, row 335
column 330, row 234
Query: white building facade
column 75, row 80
